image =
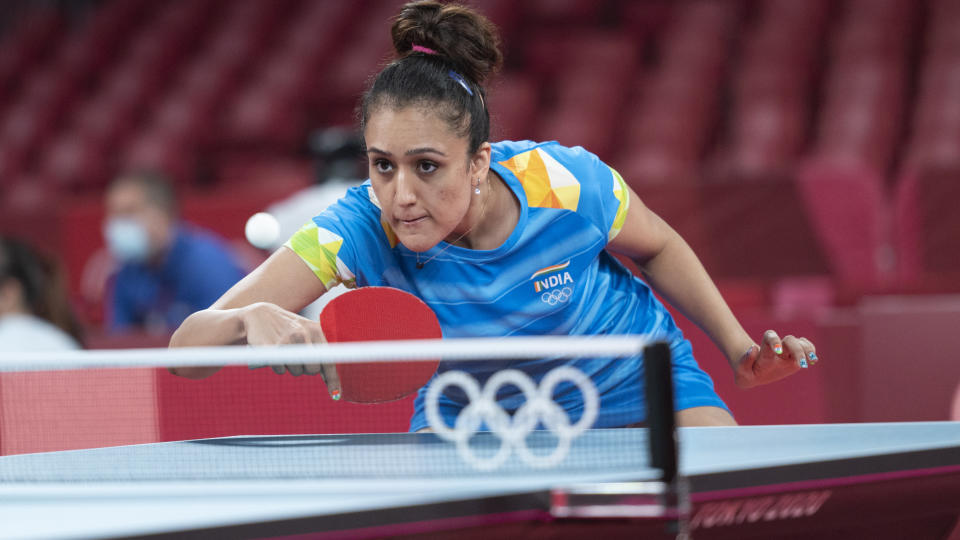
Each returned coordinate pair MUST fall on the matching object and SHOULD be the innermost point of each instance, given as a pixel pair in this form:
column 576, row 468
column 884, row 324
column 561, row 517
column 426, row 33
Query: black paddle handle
column 660, row 416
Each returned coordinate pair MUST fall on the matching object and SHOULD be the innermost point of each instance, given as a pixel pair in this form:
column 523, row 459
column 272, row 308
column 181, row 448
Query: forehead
column 410, row 126
column 126, row 195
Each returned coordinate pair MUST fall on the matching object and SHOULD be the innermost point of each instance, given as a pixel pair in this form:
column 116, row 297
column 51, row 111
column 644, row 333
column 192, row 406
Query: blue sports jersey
column 552, row 276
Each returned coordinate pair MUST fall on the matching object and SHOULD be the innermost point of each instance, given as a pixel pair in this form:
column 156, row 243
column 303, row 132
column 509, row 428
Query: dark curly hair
column 465, row 53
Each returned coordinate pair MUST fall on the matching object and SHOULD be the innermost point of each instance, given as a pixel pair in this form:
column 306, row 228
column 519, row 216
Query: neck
column 165, row 244
column 11, row 299
column 476, row 215
column 497, row 215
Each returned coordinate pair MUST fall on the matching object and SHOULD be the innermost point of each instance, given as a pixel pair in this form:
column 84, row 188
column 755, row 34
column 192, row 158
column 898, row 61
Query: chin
column 416, row 243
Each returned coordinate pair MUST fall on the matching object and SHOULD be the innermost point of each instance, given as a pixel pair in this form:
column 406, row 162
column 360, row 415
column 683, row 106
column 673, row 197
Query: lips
column 412, row 221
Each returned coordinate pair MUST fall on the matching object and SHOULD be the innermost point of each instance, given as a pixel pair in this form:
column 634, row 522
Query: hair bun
column 468, row 39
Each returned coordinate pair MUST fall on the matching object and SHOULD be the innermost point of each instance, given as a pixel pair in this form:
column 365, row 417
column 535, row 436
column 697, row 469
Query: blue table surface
column 164, row 487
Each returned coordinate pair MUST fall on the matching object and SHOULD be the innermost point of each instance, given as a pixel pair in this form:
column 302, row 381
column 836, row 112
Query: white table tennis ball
column 262, row 230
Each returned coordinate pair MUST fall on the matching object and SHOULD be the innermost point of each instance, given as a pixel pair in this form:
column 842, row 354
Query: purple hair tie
column 424, row 50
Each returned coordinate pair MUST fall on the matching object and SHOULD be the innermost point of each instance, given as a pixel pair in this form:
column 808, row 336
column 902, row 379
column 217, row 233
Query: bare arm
column 673, row 270
column 260, row 309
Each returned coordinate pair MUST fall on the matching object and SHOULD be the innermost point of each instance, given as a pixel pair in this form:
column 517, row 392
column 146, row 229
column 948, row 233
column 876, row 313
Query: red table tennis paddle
column 377, row 314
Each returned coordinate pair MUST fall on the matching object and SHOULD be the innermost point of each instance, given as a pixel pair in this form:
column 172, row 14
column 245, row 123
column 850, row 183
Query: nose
column 405, row 194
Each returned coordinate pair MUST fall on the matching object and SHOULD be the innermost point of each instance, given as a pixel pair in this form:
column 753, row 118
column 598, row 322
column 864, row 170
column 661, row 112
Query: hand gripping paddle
column 377, row 314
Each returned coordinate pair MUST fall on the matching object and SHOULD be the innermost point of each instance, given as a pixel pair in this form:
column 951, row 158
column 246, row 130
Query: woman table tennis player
column 505, row 238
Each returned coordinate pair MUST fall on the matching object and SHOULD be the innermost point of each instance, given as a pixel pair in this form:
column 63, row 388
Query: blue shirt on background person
column 166, row 270
column 197, row 270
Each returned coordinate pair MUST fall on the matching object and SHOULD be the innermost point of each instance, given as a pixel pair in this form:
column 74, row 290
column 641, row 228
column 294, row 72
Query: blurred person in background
column 341, row 165
column 35, row 312
column 167, row 269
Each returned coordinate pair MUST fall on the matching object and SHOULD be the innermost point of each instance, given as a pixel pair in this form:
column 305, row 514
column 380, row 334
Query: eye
column 427, row 167
column 382, row 166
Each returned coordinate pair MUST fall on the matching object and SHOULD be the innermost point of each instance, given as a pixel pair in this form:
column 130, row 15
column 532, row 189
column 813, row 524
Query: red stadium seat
column 505, row 15
column 259, row 119
column 13, row 161
column 26, row 125
column 766, row 137
column 352, row 66
column 228, row 52
column 285, row 76
column 104, row 120
column 665, row 124
column 935, row 114
column 87, row 50
column 206, row 84
column 49, row 90
column 192, row 123
column 563, row 12
column 320, row 26
column 24, row 46
column 76, row 163
column 647, row 18
column 935, row 149
column 160, row 151
column 512, row 101
column 573, row 127
column 847, row 208
column 655, row 164
column 544, row 52
column 928, row 227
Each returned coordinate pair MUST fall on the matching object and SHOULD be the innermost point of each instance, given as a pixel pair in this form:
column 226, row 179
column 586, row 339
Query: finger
column 295, row 369
column 749, row 357
column 332, row 379
column 279, row 370
column 794, row 349
column 312, row 369
column 810, row 350
column 771, row 343
column 316, row 333
column 297, row 337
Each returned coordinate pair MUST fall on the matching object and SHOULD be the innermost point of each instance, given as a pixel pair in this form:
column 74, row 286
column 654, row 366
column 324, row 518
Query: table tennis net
column 508, row 405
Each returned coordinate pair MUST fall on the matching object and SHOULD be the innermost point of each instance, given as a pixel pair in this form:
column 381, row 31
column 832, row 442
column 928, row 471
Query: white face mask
column 127, row 240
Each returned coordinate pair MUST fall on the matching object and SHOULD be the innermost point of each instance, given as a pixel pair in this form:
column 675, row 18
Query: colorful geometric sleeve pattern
column 581, row 182
column 318, row 248
column 387, row 229
column 622, row 194
column 546, row 182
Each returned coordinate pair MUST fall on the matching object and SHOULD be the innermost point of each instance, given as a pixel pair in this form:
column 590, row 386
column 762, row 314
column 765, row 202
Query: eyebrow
column 411, row 152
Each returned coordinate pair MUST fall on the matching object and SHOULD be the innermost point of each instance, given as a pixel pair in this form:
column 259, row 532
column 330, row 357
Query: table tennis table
column 829, row 481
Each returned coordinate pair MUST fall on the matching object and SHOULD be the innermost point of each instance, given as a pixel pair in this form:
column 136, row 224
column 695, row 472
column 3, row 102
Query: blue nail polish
column 803, row 363
column 813, row 357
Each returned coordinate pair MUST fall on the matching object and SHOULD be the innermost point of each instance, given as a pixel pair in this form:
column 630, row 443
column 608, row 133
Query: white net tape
column 450, row 350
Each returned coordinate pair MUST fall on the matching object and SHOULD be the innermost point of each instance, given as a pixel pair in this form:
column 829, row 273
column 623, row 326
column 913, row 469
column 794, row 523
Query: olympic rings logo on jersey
column 512, row 431
column 556, row 296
